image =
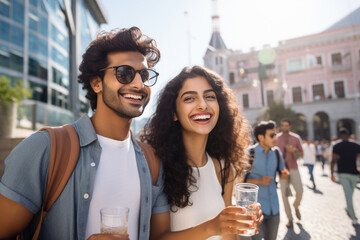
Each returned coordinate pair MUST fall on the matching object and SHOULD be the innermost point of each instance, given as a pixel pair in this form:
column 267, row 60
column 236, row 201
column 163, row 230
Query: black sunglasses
column 125, row 74
column 272, row 135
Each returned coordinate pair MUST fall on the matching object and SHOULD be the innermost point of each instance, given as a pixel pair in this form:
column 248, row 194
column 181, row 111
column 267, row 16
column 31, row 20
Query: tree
column 278, row 112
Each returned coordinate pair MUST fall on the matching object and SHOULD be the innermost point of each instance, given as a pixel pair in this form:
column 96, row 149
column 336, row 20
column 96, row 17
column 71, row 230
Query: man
column 263, row 174
column 344, row 155
column 111, row 168
column 290, row 146
column 309, row 158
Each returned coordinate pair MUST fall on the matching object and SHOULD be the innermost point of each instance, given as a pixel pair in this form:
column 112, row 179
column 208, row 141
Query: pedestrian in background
column 320, row 154
column 345, row 153
column 309, row 158
column 290, row 146
column 267, row 161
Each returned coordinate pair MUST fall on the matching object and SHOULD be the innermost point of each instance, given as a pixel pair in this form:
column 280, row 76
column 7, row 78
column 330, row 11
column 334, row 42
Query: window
column 216, row 60
column 11, row 58
column 59, row 57
column 241, row 64
column 245, row 98
column 339, row 89
column 17, row 36
column 318, row 92
column 5, row 8
column 296, row 94
column 295, row 65
column 60, row 78
column 5, row 31
column 336, row 59
column 18, row 11
column 37, row 68
column 318, row 60
column 38, row 92
column 59, row 99
column 59, row 37
column 270, row 97
column 38, row 45
column 232, row 78
column 221, row 60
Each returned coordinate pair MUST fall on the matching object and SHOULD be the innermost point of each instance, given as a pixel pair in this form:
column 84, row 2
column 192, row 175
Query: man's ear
column 96, row 84
column 261, row 137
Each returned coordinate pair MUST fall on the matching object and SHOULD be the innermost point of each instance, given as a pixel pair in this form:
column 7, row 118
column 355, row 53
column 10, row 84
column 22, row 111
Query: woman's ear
column 175, row 117
column 96, row 84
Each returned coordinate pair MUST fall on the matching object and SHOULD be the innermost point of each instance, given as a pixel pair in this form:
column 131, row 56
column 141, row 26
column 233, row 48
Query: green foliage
column 277, row 112
column 9, row 93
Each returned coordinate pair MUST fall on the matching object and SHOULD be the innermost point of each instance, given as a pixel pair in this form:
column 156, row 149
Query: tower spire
column 215, row 17
column 216, row 40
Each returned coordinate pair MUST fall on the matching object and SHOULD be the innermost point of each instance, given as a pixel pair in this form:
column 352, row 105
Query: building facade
column 317, row 75
column 41, row 43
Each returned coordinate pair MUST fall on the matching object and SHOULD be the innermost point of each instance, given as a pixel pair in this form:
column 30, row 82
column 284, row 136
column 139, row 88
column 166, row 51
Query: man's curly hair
column 95, row 56
column 227, row 141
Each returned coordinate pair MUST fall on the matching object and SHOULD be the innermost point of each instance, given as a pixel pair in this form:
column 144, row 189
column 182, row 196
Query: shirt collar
column 87, row 133
column 85, row 130
column 257, row 145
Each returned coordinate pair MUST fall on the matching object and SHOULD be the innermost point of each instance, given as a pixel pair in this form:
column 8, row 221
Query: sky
column 182, row 28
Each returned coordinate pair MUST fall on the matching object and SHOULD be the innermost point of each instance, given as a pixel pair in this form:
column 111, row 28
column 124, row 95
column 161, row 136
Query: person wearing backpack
column 116, row 71
column 111, row 168
column 267, row 162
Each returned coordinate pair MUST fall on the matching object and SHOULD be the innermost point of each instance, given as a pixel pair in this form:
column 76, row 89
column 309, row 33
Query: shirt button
column 92, row 164
column 86, row 196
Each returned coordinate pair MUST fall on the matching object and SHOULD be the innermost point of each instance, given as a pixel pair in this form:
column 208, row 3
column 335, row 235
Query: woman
column 201, row 137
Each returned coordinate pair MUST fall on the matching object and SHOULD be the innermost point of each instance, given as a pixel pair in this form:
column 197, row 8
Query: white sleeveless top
column 207, row 201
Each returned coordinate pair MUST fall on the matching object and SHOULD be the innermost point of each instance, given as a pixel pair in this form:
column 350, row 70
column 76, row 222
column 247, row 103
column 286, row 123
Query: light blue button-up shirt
column 266, row 165
column 24, row 181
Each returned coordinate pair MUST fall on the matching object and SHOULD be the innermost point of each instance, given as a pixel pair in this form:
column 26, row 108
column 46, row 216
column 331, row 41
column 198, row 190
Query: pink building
column 317, row 75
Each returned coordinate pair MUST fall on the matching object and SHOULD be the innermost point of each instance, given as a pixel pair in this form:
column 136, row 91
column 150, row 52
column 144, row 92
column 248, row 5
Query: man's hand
column 99, row 236
column 333, row 178
column 266, row 180
column 290, row 148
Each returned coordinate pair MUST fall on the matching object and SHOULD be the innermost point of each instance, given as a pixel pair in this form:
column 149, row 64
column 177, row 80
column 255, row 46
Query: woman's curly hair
column 95, row 56
column 227, row 141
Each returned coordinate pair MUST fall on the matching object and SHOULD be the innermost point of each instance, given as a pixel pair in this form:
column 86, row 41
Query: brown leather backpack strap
column 152, row 160
column 65, row 149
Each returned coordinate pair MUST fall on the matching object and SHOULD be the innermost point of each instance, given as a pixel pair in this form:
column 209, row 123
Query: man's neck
column 111, row 125
column 267, row 149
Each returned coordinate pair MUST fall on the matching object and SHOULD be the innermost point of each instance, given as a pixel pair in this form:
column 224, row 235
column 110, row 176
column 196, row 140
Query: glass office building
column 41, row 43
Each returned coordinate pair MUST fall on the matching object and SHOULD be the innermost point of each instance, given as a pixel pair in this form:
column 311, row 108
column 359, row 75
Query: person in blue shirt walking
column 263, row 174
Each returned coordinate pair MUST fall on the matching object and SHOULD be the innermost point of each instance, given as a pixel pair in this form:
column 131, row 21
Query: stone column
column 310, row 130
column 333, row 128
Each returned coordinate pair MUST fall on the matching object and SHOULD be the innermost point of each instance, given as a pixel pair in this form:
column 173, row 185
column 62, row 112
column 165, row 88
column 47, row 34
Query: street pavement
column 323, row 210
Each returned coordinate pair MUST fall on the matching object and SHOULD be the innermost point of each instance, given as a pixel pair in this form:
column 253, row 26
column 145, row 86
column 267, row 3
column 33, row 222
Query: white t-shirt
column 309, row 153
column 207, row 201
column 117, row 183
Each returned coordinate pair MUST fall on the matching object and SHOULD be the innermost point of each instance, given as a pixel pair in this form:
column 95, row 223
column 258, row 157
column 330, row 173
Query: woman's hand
column 234, row 220
column 99, row 236
column 259, row 215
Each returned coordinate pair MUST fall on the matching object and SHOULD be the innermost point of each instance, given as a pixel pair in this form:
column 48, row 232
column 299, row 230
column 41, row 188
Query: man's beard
column 111, row 100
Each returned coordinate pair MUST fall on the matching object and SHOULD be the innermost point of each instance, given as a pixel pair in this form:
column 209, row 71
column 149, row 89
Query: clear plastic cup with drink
column 246, row 197
column 114, row 220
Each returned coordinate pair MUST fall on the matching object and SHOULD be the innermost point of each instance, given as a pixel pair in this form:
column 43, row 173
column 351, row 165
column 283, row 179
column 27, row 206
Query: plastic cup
column 246, row 196
column 114, row 220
